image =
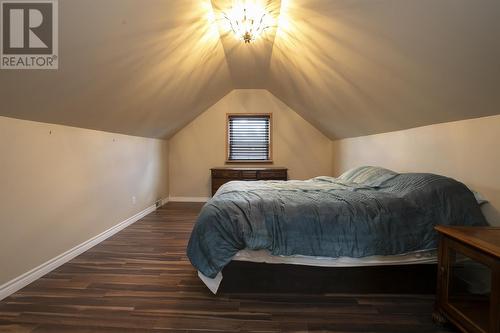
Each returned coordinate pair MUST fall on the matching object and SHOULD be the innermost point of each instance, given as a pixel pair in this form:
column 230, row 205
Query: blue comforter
column 362, row 213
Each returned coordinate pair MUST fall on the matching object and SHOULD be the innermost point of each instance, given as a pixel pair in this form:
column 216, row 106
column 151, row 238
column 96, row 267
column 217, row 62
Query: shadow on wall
column 365, row 65
column 322, row 58
column 127, row 67
column 167, row 64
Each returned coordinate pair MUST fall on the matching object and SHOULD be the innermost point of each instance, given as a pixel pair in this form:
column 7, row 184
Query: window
column 248, row 137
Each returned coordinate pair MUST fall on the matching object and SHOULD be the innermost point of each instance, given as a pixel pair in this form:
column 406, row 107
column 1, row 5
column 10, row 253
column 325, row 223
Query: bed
column 367, row 216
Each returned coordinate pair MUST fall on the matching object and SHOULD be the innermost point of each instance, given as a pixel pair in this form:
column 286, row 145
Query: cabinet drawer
column 267, row 174
column 248, row 174
column 230, row 174
column 221, row 176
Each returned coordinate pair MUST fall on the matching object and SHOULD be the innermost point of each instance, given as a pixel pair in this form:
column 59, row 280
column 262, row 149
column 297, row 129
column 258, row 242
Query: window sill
column 249, row 161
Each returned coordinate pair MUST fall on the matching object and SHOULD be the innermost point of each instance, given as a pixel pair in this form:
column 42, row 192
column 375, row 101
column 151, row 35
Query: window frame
column 270, row 155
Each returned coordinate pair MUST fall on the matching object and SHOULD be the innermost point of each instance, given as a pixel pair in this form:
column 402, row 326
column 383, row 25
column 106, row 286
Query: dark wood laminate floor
column 141, row 281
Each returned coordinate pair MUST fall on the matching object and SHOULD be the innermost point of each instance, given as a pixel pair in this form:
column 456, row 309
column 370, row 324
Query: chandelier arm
column 230, row 22
column 247, row 28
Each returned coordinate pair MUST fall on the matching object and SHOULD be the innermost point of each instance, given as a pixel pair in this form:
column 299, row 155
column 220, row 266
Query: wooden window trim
column 270, row 160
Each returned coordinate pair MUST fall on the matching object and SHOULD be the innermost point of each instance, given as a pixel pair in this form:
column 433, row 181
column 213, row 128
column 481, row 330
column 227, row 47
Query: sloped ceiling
column 357, row 67
column 350, row 67
column 137, row 67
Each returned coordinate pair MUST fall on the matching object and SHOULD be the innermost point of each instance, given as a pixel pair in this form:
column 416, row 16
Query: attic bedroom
column 250, row 166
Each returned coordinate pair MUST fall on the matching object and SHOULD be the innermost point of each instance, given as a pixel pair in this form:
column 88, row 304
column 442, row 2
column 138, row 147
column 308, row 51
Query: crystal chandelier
column 247, row 21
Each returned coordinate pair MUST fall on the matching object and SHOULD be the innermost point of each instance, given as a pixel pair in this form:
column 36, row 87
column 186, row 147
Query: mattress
column 263, row 256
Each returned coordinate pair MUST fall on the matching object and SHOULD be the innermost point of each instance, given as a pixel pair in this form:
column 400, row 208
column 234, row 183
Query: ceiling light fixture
column 248, row 21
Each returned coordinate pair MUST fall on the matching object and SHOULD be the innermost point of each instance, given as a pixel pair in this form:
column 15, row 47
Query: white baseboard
column 188, row 199
column 23, row 280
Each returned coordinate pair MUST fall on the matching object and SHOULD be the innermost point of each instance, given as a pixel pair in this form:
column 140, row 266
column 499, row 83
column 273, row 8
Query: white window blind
column 249, row 137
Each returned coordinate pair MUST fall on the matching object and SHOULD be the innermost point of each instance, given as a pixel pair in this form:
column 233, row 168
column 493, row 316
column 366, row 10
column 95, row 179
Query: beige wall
column 467, row 150
column 199, row 146
column 60, row 186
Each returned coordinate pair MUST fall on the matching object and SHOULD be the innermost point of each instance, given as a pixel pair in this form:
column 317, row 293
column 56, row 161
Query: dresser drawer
column 229, row 174
column 272, row 174
column 249, row 174
column 221, row 176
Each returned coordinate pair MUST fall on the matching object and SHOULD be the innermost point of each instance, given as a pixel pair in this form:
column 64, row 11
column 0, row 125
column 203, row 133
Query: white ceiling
column 350, row 67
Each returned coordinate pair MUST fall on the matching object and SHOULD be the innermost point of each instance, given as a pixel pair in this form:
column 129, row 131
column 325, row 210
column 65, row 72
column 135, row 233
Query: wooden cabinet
column 221, row 176
column 468, row 290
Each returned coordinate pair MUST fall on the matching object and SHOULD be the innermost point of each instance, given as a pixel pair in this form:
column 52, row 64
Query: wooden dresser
column 468, row 290
column 223, row 175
